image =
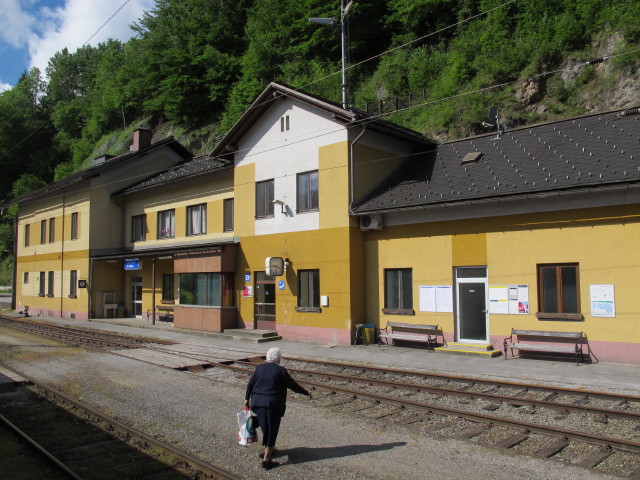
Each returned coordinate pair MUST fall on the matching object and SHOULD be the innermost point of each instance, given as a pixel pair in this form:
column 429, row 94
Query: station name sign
column 132, row 264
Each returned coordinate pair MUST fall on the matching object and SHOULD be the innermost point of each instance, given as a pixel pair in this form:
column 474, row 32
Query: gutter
column 352, row 169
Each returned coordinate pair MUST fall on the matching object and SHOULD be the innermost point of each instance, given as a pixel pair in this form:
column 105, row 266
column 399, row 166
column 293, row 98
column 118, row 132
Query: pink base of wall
column 613, row 352
column 56, row 313
column 311, row 334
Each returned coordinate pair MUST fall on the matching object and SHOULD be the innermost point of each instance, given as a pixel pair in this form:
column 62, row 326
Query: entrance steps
column 248, row 335
column 469, row 349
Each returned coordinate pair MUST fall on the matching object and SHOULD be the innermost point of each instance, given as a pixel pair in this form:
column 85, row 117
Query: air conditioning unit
column 371, row 222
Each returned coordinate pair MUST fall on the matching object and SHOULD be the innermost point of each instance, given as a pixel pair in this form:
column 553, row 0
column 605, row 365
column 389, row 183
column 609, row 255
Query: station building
column 534, row 228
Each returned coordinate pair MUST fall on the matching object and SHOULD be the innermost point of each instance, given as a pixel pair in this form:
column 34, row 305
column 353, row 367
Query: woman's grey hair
column 274, row 355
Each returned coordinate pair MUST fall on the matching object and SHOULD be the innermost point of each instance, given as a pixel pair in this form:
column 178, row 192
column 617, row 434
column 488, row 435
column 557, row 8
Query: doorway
column 136, row 297
column 265, row 302
column 471, row 304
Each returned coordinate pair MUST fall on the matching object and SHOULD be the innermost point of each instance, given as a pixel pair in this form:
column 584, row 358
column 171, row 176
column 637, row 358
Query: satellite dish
column 493, row 115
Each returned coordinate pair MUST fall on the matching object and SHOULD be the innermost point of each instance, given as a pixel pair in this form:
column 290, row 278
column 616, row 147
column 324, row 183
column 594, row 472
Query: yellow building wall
column 603, row 241
column 333, row 182
column 327, row 250
column 245, row 205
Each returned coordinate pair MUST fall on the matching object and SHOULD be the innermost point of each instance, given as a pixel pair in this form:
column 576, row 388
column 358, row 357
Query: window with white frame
column 166, row 224
column 559, row 290
column 398, row 291
column 74, row 226
column 197, row 219
column 138, row 228
column 264, row 199
column 307, row 194
column 284, row 123
column 52, row 230
column 73, row 284
column 43, row 232
column 308, row 291
column 50, row 280
column 228, row 215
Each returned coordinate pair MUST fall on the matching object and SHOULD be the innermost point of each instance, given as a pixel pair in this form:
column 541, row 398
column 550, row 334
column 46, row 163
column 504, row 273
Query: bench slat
column 541, row 347
column 412, row 325
column 408, row 336
column 543, row 333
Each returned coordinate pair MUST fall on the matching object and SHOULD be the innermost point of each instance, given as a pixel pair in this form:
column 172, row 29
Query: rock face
column 529, row 92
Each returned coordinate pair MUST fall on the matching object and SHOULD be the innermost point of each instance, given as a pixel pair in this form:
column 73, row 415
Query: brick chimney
column 141, row 139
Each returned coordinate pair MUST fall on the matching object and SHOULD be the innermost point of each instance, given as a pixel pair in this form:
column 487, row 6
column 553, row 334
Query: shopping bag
column 247, row 422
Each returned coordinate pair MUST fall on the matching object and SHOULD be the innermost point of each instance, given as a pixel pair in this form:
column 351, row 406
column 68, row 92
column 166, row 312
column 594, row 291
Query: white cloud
column 4, row 87
column 15, row 24
column 76, row 21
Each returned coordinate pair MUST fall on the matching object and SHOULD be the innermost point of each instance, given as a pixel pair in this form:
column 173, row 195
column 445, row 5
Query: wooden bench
column 556, row 342
column 411, row 332
column 164, row 311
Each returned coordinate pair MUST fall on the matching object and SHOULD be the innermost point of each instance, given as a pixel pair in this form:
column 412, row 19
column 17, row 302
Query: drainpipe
column 352, row 162
column 90, row 286
column 153, row 291
column 62, row 262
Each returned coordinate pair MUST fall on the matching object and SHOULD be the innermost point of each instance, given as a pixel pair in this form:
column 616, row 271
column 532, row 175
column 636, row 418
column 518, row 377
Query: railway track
column 80, row 442
column 594, row 430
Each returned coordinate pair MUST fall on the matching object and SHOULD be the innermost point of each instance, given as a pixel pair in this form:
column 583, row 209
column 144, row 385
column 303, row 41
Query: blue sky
column 32, row 31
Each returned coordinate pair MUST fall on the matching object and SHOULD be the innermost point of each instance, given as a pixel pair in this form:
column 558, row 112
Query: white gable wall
column 281, row 156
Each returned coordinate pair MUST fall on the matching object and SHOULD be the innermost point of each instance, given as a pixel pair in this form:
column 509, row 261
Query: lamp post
column 332, row 21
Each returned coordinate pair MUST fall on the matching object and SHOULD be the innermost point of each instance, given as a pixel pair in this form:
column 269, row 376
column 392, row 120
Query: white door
column 136, row 297
column 471, row 304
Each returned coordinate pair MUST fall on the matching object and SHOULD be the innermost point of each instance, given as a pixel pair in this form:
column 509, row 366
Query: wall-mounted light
column 281, row 203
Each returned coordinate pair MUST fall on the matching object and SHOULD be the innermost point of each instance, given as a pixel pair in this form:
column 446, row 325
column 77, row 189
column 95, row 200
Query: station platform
column 602, row 376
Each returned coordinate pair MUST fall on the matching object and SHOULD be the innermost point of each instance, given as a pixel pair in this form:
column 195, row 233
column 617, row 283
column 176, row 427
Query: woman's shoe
column 269, row 464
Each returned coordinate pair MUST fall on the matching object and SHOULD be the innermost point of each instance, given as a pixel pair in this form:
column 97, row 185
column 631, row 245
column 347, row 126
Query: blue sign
column 247, row 277
column 132, row 264
column 281, row 284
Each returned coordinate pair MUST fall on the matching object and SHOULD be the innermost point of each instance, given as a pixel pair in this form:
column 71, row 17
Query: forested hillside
column 195, row 65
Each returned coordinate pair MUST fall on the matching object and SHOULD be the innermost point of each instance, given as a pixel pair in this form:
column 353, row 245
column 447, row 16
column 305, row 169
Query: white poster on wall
column 509, row 299
column 436, row 298
column 603, row 302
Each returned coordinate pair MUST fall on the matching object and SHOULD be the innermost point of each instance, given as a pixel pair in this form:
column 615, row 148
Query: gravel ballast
column 198, row 414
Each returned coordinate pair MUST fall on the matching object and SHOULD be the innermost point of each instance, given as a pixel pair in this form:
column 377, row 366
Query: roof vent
column 471, row 157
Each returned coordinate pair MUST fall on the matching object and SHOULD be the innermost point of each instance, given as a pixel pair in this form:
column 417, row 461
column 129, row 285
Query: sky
column 32, row 31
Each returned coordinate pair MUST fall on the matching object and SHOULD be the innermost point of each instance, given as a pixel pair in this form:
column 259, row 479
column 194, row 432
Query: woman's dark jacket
column 268, row 387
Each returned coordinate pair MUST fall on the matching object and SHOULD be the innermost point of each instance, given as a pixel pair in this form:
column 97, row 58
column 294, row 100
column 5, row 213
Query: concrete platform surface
column 602, row 376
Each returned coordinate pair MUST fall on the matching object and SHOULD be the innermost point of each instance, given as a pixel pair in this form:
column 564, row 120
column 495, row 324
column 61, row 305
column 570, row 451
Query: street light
column 332, row 21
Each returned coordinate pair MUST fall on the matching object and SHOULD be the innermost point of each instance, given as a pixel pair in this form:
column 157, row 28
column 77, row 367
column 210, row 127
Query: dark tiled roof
column 102, row 167
column 590, row 151
column 190, row 169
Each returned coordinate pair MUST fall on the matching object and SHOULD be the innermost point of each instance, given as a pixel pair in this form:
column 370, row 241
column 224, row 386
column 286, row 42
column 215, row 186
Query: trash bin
column 369, row 333
column 120, row 311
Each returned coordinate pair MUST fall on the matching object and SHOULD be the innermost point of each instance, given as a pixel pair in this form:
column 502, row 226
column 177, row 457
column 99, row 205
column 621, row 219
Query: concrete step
column 256, row 336
column 481, row 350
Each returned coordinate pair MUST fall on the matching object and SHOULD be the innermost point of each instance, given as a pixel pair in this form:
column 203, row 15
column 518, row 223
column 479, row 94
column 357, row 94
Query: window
column 308, row 291
column 167, row 287
column 138, row 228
column 264, row 199
column 42, row 280
column 50, row 285
column 25, row 277
column 74, row 226
column 559, row 291
column 52, row 230
column 166, row 224
column 43, row 232
column 398, row 295
column 27, row 235
column 284, row 123
column 207, row 289
column 197, row 219
column 308, row 191
column 73, row 284
column 228, row 215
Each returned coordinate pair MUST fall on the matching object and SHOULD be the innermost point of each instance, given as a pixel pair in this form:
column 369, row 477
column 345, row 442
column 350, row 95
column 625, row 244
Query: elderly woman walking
column 267, row 396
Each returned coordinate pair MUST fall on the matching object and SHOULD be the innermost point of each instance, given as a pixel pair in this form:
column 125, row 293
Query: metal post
column 344, row 55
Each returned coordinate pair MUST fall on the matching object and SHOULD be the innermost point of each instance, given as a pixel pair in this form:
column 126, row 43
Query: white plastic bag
column 247, row 422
